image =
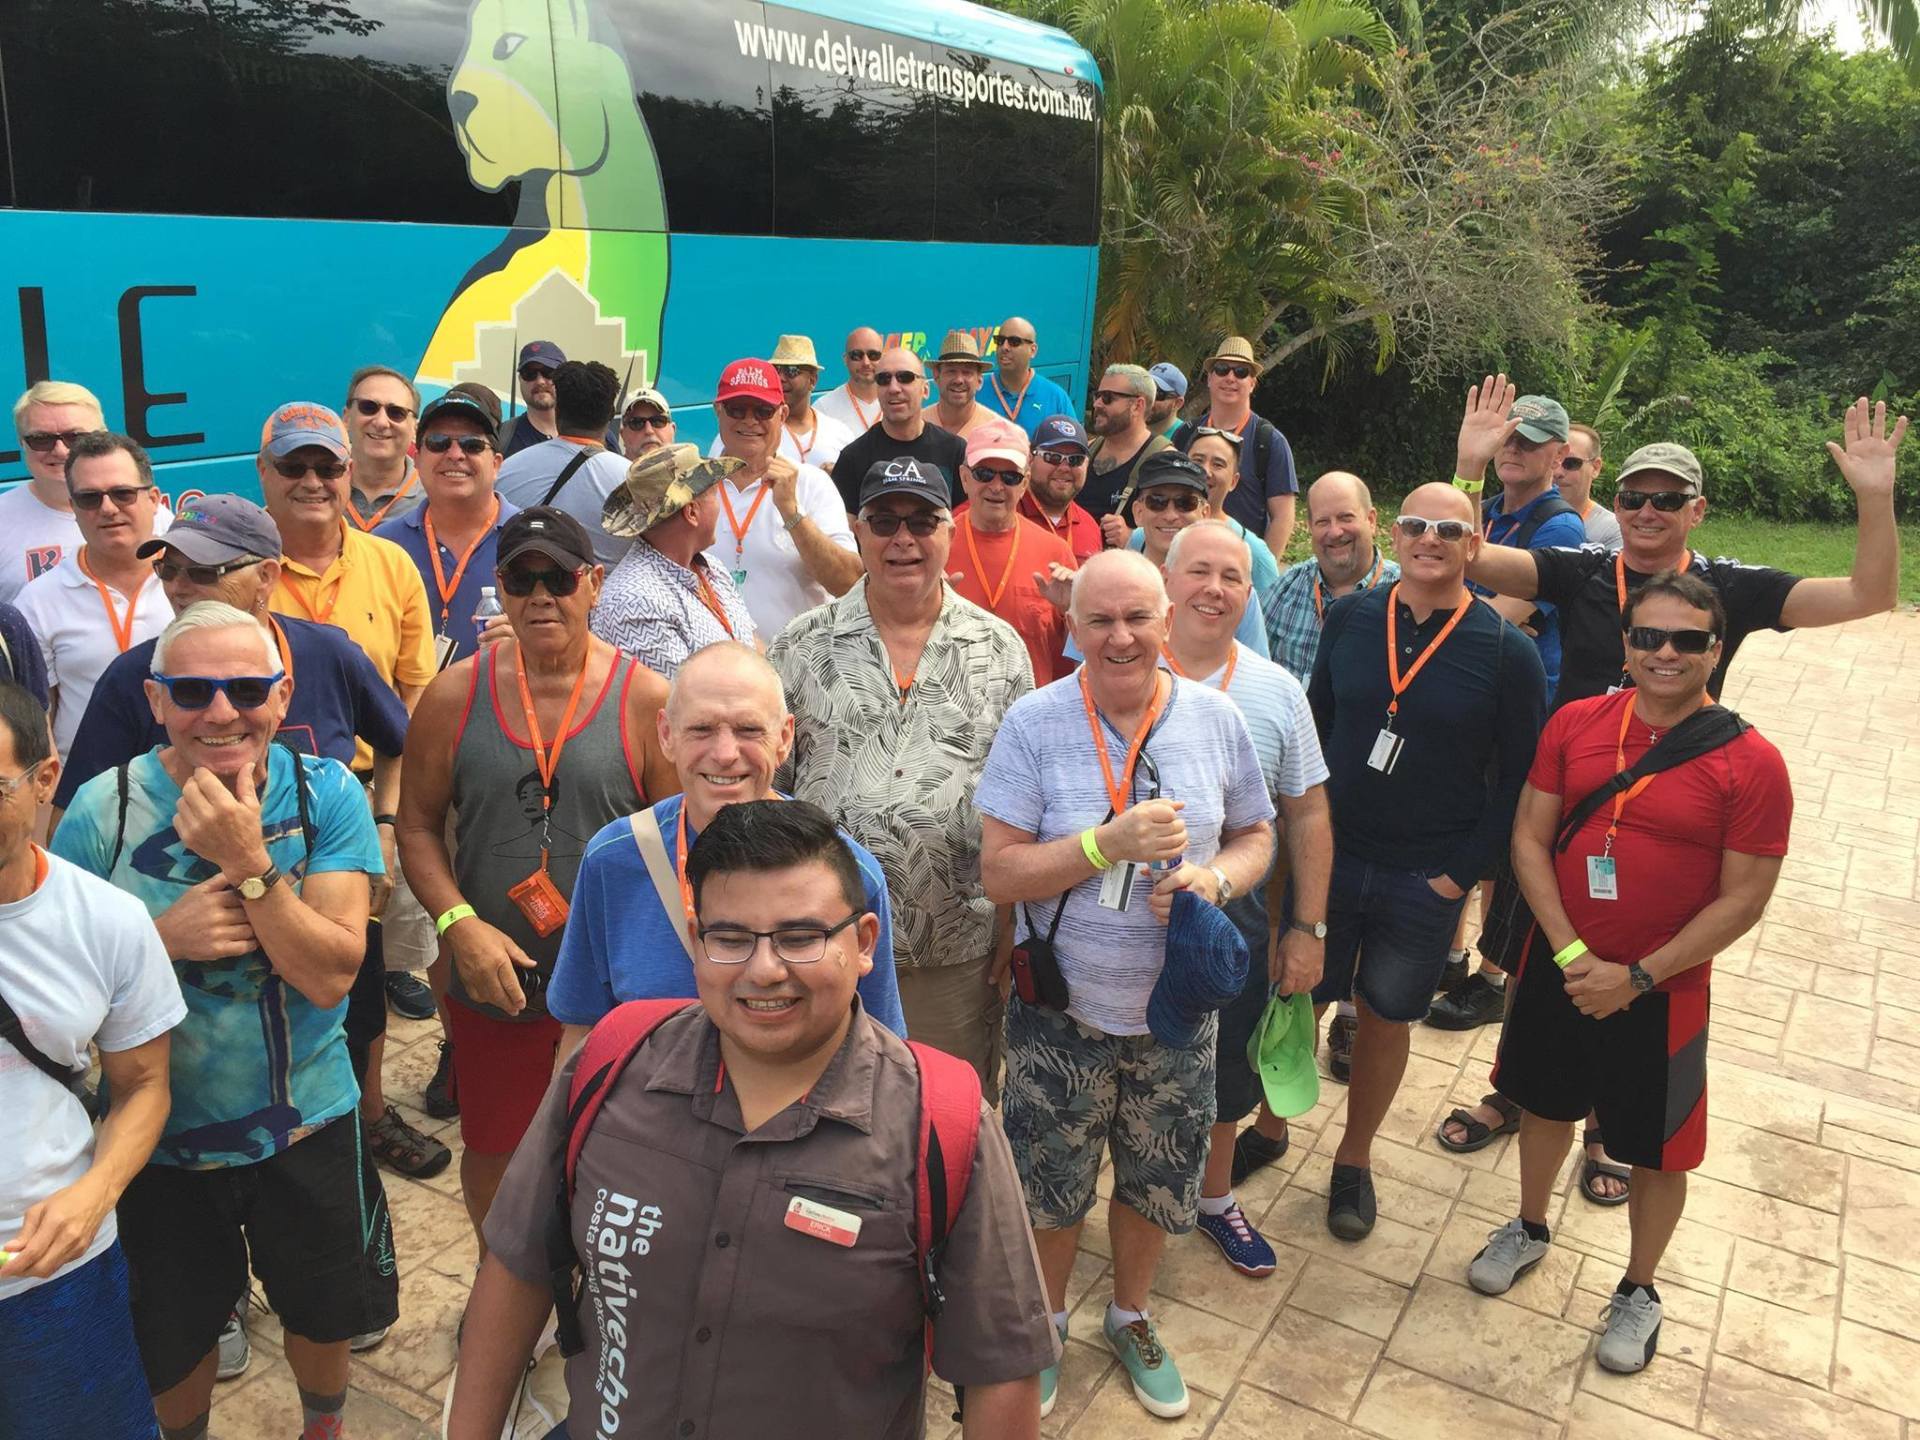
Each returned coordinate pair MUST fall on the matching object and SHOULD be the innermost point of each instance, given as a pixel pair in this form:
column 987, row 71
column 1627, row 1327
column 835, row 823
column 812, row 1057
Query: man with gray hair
column 254, row 864
column 1106, row 794
column 1119, row 420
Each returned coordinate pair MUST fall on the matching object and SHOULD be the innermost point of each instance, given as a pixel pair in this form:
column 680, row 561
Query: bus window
column 1022, row 168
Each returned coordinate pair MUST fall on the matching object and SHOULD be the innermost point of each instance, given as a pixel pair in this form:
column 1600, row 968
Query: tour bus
column 209, row 209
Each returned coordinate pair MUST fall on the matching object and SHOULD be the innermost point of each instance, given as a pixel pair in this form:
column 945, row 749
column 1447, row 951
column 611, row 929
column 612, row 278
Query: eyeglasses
column 121, row 495
column 1011, row 341
column 741, row 409
column 1687, row 642
column 371, row 408
column 897, row 377
column 1238, row 372
column 196, row 692
column 1413, row 527
column 171, row 570
column 987, row 474
column 42, row 441
column 470, row 445
column 645, row 422
column 886, row 524
column 559, row 583
column 531, row 373
column 863, row 354
column 1058, row 457
column 787, row 372
column 1186, row 502
column 1573, row 462
column 8, row 788
column 792, row 944
column 294, row 469
column 1666, row 501
column 1114, row 397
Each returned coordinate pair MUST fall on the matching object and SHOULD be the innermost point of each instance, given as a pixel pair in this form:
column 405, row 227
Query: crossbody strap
column 15, row 1034
column 653, row 849
column 1701, row 733
column 567, row 472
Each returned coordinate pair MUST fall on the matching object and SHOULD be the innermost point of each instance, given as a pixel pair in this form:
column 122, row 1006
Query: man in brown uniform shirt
column 704, row 1312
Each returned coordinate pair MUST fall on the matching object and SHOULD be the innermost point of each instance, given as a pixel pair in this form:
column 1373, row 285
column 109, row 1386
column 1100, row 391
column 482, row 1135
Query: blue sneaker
column 1050, row 1380
column 1244, row 1247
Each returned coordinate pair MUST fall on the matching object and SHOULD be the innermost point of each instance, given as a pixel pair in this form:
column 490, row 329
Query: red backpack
column 949, row 1133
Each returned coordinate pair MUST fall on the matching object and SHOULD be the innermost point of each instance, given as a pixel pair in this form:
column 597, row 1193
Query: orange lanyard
column 1621, row 798
column 446, row 587
column 1233, row 659
column 547, row 761
column 1319, row 597
column 321, row 616
column 392, row 500
column 1013, row 408
column 993, row 592
column 903, row 683
column 280, row 643
column 1118, row 792
column 1620, row 595
column 806, row 449
column 860, row 410
column 1398, row 681
column 738, row 526
column 122, row 629
column 680, row 868
column 709, row 598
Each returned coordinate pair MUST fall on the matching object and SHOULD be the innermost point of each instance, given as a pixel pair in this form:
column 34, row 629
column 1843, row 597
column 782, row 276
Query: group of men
column 1004, row 737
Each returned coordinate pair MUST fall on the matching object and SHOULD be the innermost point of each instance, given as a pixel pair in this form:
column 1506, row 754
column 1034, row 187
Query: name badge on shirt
column 1386, row 752
column 443, row 648
column 1116, row 886
column 1602, row 883
column 822, row 1222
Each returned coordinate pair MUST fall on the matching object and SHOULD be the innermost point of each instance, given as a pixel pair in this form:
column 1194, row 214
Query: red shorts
column 502, row 1069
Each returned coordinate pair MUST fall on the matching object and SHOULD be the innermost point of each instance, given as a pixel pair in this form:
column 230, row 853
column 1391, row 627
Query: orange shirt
column 1022, row 604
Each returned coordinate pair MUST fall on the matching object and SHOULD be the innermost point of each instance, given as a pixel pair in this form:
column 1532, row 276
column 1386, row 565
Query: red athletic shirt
column 1022, row 603
column 1667, row 853
column 1077, row 527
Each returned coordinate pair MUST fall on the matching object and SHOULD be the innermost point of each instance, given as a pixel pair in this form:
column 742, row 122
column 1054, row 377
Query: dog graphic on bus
column 543, row 96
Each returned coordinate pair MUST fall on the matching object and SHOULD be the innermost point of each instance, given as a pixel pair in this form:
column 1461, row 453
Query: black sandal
column 1592, row 1170
column 1351, row 1209
column 1479, row 1133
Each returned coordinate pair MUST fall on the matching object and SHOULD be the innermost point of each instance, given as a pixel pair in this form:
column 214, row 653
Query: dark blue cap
column 1060, row 432
column 542, row 352
column 1206, row 966
column 919, row 479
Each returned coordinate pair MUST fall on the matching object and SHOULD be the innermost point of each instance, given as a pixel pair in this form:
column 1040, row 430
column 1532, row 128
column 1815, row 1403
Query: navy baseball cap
column 214, row 529
column 476, row 402
column 912, row 478
column 1205, row 968
column 1170, row 378
column 542, row 352
column 1060, row 432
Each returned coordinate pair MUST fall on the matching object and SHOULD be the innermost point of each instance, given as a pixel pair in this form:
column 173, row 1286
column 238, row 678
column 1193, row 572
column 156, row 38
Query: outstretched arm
column 1867, row 463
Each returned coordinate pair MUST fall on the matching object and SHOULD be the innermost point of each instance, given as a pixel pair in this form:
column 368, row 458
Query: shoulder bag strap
column 653, row 849
column 567, row 472
column 1701, row 733
column 15, row 1034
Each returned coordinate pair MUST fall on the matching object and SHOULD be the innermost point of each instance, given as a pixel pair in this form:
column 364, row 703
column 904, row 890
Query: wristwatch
column 255, row 886
column 1220, row 879
column 1318, row 929
column 1639, row 979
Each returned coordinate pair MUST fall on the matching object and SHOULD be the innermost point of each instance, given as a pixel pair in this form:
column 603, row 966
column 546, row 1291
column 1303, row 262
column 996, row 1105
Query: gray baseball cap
column 213, row 529
column 1663, row 455
column 1541, row 417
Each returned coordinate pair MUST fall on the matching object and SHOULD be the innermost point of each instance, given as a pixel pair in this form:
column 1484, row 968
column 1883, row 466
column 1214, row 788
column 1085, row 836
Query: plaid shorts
column 1071, row 1092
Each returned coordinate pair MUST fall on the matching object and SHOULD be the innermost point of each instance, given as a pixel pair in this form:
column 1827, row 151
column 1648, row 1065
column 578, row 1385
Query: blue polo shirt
column 1043, row 399
column 620, row 944
column 454, row 617
column 337, row 695
column 1560, row 532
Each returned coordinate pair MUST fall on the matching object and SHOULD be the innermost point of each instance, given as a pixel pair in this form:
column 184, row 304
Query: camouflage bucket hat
column 659, row 484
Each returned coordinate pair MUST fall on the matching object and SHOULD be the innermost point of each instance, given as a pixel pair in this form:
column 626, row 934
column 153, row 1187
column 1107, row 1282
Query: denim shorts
column 1388, row 933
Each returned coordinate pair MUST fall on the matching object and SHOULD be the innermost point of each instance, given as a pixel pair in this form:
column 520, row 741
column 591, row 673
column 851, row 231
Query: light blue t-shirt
column 620, row 943
column 255, row 1066
column 1043, row 399
column 1043, row 777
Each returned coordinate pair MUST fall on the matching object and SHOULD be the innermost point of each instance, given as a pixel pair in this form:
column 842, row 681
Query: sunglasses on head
column 742, row 409
column 987, row 474
column 531, row 373
column 371, row 408
column 886, row 523
column 1186, row 502
column 1068, row 458
column 1687, row 642
column 1666, row 501
column 42, row 441
column 787, row 372
column 196, row 692
column 1238, row 372
column 863, row 354
column 1014, row 341
column 469, row 444
column 171, row 570
column 1214, row 432
column 898, row 377
column 1414, row 526
column 645, row 422
column 122, row 495
column 519, row 583
column 325, row 469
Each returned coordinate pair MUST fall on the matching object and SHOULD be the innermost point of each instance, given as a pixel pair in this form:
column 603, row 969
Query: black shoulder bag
column 1702, row 732
column 567, row 472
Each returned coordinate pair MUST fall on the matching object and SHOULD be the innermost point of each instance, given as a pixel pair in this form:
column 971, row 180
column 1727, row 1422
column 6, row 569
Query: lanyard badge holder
column 537, row 896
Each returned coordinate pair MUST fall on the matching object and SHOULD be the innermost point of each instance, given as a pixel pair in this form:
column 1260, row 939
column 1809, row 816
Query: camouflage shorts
column 1071, row 1092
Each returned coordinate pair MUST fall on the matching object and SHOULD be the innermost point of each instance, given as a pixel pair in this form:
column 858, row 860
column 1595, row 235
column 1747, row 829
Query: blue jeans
column 1388, row 933
column 71, row 1366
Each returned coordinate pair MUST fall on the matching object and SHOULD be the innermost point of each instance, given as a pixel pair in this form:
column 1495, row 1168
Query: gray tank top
column 497, row 803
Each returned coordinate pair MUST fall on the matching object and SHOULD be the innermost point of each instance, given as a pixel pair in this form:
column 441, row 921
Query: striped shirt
column 1293, row 620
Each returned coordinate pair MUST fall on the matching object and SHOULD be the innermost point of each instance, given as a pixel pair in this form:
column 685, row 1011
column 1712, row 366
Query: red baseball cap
column 751, row 380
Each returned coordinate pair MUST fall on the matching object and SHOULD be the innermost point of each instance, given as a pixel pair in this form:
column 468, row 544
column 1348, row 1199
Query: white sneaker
column 1508, row 1254
column 527, row 1418
column 360, row 1344
column 236, row 1351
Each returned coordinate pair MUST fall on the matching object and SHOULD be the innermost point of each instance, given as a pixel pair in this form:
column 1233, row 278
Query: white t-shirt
column 830, row 437
column 79, row 961
column 859, row 416
column 35, row 537
column 776, row 584
column 64, row 610
column 526, row 477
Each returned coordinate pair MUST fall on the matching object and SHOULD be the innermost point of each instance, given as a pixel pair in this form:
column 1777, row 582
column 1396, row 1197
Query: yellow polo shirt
column 374, row 593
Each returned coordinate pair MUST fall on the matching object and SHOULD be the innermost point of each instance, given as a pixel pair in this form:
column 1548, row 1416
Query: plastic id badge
column 822, row 1222
column 1385, row 753
column 1116, row 886
column 443, row 648
column 1602, row 882
column 541, row 902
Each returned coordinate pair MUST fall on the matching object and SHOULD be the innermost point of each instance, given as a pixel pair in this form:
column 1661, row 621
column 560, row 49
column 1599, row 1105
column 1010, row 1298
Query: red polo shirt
column 1006, row 563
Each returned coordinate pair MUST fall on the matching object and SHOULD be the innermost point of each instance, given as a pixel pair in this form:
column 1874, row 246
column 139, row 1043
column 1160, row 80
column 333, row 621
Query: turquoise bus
column 214, row 206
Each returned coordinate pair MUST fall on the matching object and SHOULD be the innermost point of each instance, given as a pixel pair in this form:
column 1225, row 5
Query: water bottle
column 488, row 607
column 1160, row 867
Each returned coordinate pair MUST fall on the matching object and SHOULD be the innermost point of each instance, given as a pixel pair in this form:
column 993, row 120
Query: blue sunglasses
column 196, row 692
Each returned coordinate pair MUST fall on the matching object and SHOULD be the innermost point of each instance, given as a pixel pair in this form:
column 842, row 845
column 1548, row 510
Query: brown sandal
column 1479, row 1133
column 403, row 1149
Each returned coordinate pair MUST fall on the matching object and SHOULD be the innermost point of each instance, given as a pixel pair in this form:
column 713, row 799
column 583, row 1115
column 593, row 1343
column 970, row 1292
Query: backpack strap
column 301, row 797
column 1701, row 733
column 1544, row 510
column 567, row 472
column 949, row 1136
column 120, row 785
column 1263, row 433
column 613, row 1042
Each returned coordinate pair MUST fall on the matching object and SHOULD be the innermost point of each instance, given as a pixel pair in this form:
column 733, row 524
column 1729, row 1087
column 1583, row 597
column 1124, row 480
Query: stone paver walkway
column 1793, row 1286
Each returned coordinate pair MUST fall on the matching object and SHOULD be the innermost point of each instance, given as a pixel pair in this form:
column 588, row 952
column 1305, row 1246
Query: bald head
column 1342, row 526
column 1431, row 562
column 729, row 666
column 1338, row 488
column 1111, row 573
column 1438, row 501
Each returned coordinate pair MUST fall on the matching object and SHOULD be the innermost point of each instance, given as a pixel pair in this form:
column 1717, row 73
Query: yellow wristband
column 1471, row 487
column 1091, row 848
column 1572, row 953
column 453, row 917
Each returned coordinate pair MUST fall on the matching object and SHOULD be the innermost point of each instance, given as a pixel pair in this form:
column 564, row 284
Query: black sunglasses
column 1572, row 463
column 196, row 692
column 645, row 422
column 787, row 372
column 1162, row 396
column 1057, row 457
column 886, row 524
column 171, row 570
column 987, row 474
column 469, row 444
column 1687, row 642
column 1012, row 340
column 294, row 469
column 1186, row 502
column 897, row 377
column 520, row 583
column 863, row 354
column 1666, row 501
column 42, row 441
column 1239, row 372
column 1114, row 397
column 371, row 408
column 123, row 496
column 531, row 373
column 741, row 409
